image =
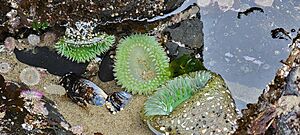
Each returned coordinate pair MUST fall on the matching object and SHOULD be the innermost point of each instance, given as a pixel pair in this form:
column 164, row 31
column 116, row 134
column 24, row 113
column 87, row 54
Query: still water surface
column 243, row 50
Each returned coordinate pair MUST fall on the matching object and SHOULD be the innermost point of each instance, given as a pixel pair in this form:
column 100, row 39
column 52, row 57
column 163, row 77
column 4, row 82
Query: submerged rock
column 209, row 111
column 105, row 72
column 188, row 32
column 278, row 108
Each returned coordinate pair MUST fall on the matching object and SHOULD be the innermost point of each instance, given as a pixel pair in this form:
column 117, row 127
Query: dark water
column 243, row 50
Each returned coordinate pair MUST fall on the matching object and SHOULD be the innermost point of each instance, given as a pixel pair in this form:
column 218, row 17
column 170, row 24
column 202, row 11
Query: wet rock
column 209, row 111
column 4, row 32
column 105, row 73
column 175, row 51
column 289, row 120
column 4, row 9
column 188, row 32
column 29, row 112
column 292, row 86
column 45, row 58
column 102, row 11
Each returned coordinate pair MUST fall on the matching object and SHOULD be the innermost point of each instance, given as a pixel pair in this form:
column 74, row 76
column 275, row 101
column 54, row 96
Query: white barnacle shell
column 4, row 67
column 33, row 39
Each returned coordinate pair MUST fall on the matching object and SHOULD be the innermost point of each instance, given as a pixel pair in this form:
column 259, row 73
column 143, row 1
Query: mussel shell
column 82, row 91
column 98, row 100
column 117, row 101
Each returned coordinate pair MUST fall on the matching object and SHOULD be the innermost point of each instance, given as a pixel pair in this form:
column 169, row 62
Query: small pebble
column 78, row 130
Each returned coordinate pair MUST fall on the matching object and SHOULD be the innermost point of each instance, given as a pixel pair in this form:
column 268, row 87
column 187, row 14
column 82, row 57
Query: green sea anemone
column 141, row 64
column 82, row 44
column 84, row 52
column 176, row 91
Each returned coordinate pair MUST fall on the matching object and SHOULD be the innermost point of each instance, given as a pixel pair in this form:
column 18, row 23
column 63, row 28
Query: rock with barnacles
column 210, row 110
column 101, row 10
column 25, row 111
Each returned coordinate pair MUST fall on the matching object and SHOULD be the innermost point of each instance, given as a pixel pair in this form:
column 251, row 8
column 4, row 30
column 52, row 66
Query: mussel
column 117, row 101
column 82, row 91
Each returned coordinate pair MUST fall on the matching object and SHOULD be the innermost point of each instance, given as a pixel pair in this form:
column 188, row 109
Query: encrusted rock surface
column 209, row 111
column 103, row 11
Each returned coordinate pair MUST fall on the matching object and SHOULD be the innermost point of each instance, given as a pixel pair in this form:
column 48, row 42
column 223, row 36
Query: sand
column 93, row 119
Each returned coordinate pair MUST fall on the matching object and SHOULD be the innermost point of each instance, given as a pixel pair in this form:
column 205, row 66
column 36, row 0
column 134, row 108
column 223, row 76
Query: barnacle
column 141, row 64
column 176, row 91
column 84, row 52
column 4, row 67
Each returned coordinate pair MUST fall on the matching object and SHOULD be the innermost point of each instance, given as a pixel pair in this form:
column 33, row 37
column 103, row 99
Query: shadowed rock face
column 4, row 9
column 28, row 112
column 102, row 10
column 209, row 111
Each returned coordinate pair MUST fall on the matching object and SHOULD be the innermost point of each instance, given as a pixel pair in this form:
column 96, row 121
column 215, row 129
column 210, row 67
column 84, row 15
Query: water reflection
column 242, row 50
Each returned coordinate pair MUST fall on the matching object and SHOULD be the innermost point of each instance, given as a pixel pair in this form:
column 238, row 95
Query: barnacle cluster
column 82, row 44
column 141, row 64
column 176, row 91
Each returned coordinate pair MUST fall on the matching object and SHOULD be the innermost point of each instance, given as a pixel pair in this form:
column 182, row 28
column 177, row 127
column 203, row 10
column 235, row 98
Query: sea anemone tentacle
column 141, row 64
column 176, row 91
column 84, row 52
